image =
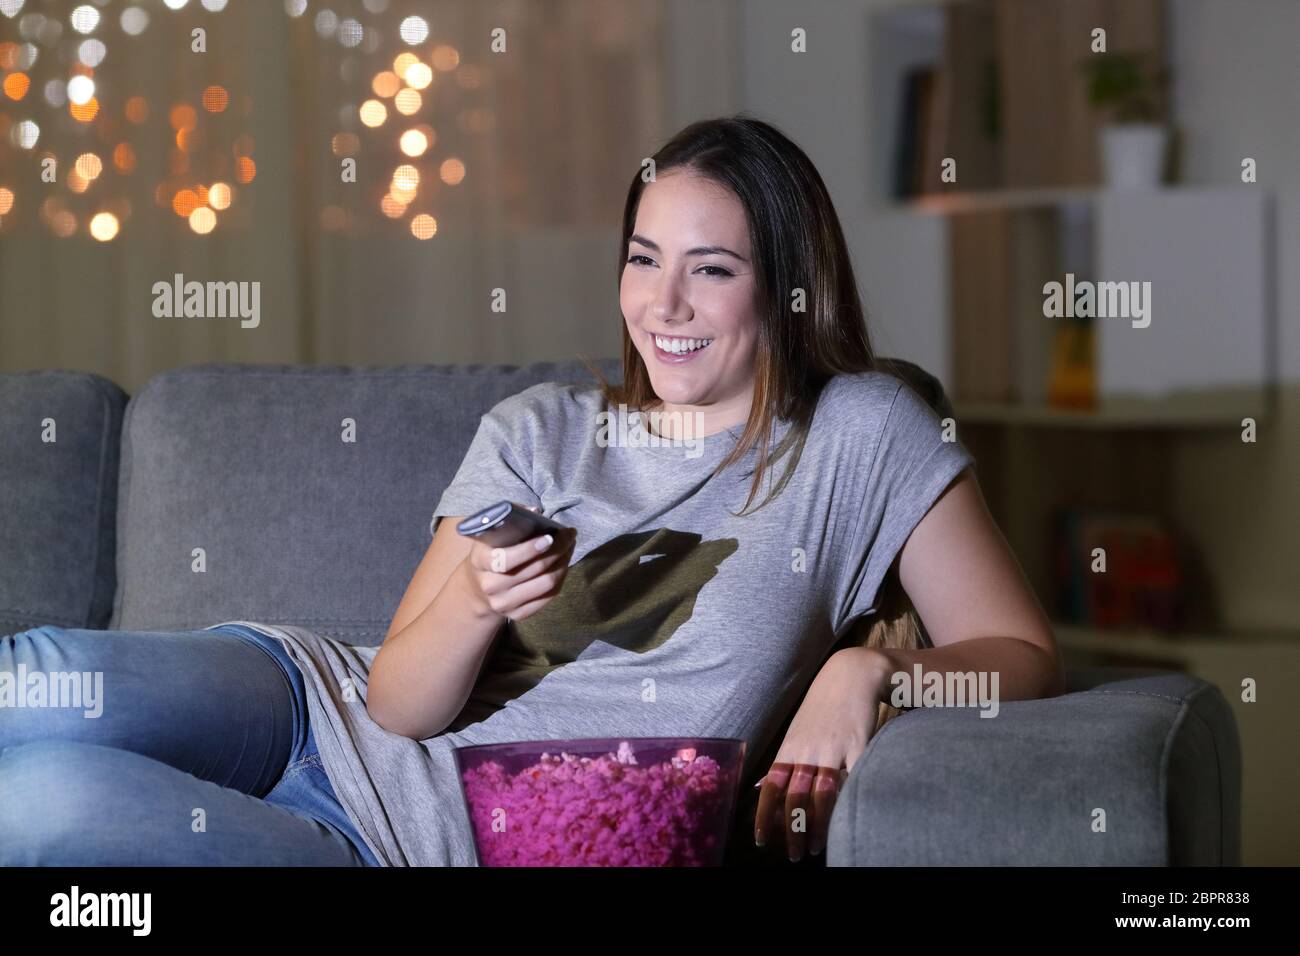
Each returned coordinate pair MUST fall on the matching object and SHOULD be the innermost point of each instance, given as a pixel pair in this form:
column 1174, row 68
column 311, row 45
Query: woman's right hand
column 518, row 581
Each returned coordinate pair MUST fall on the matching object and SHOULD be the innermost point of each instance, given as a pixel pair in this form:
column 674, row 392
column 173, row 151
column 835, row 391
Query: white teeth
column 681, row 346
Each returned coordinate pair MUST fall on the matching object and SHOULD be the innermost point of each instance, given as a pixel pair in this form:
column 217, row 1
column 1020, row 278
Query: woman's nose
column 667, row 301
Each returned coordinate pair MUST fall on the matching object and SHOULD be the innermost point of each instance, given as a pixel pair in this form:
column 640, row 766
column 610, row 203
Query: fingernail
column 758, row 840
column 544, row 543
column 815, row 849
column 794, row 858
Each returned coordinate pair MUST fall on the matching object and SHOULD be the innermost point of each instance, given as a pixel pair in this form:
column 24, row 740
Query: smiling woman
column 674, row 614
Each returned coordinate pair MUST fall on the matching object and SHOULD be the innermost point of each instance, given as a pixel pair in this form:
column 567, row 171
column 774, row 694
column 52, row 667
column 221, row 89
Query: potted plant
column 1128, row 87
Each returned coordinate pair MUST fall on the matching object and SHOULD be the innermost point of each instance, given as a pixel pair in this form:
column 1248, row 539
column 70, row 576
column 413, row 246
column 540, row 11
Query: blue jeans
column 187, row 748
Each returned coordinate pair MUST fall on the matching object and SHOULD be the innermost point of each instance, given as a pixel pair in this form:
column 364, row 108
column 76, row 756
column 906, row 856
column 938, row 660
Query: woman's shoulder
column 548, row 407
column 858, row 408
column 859, row 394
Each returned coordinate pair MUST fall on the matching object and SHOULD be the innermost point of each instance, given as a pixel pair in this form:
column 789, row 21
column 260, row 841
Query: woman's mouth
column 674, row 350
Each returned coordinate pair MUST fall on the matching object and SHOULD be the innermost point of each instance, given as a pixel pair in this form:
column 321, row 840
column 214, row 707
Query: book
column 1141, row 586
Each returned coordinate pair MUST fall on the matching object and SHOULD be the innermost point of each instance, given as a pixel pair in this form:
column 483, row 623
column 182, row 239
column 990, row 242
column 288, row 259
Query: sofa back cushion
column 58, row 498
column 241, row 499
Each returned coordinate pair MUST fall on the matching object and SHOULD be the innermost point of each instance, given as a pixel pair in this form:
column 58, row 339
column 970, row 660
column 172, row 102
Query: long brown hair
column 797, row 244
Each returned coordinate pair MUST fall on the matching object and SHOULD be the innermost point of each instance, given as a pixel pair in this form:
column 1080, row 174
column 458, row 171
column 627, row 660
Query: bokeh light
column 134, row 20
column 215, row 99
column 16, row 85
column 25, row 134
column 84, row 19
column 445, row 58
column 84, row 112
column 413, row 143
column 104, row 226
column 124, row 158
column 373, row 113
column 81, row 90
column 452, row 171
column 350, row 33
column 137, row 109
column 414, row 30
column 219, row 196
column 185, row 202
column 406, row 178
column 91, row 52
column 403, row 62
column 89, row 165
column 203, row 220
column 386, row 84
column 424, row 226
column 183, row 116
column 408, row 102
column 418, row 75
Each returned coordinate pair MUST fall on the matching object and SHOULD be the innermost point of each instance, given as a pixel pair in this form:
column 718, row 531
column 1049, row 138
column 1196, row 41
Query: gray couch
column 98, row 529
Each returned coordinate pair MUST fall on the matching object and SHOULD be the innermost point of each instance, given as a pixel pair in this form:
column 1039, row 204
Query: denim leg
column 305, row 787
column 208, row 703
column 71, row 803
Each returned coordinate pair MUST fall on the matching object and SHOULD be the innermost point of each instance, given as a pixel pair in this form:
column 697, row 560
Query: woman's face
column 689, row 280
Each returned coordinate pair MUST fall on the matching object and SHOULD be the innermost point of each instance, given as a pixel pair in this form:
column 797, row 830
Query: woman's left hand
column 830, row 730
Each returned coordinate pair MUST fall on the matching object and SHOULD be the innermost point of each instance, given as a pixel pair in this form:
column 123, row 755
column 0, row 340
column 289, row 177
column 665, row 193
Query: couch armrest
column 1159, row 754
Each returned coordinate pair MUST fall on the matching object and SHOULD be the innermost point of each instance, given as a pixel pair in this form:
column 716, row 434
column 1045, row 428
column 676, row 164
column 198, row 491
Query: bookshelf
column 999, row 87
column 996, row 85
column 955, row 273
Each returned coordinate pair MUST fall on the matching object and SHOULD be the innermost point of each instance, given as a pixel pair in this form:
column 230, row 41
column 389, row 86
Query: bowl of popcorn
column 619, row 801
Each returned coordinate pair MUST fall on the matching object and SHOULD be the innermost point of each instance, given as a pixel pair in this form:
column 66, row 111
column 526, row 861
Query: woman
column 749, row 380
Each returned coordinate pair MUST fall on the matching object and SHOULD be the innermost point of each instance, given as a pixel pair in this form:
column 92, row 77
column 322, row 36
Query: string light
column 78, row 43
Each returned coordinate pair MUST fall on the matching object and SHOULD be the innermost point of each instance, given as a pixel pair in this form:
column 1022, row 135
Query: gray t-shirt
column 677, row 618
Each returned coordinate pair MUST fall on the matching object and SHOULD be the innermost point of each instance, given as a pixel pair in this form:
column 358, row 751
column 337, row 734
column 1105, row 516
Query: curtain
column 481, row 175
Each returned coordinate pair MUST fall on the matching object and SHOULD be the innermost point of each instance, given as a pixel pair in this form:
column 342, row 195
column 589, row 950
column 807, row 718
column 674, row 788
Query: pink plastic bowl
column 616, row 801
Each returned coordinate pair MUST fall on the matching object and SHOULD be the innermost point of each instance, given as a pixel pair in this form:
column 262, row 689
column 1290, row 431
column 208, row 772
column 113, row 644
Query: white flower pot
column 1133, row 155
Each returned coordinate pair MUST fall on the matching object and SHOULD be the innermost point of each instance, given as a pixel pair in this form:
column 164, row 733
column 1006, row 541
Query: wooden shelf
column 988, row 200
column 1215, row 408
column 944, row 204
column 1144, row 643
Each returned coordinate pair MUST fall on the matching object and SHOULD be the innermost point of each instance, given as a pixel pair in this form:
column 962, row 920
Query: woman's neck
column 679, row 422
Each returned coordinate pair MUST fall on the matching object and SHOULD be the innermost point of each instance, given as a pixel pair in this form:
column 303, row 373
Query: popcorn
column 568, row 810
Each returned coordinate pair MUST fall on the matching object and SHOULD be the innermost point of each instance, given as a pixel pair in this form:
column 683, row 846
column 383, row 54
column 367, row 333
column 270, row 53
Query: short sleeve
column 911, row 467
column 498, row 465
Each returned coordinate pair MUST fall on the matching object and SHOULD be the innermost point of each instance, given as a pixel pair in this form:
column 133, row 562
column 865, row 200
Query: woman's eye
column 636, row 259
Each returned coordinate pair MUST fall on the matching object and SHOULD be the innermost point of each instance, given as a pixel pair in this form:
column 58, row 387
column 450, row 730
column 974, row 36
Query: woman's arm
column 445, row 623
column 981, row 615
column 435, row 646
column 972, row 596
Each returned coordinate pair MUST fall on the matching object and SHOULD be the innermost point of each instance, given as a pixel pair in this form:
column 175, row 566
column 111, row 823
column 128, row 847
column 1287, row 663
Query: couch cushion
column 57, row 498
column 296, row 526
